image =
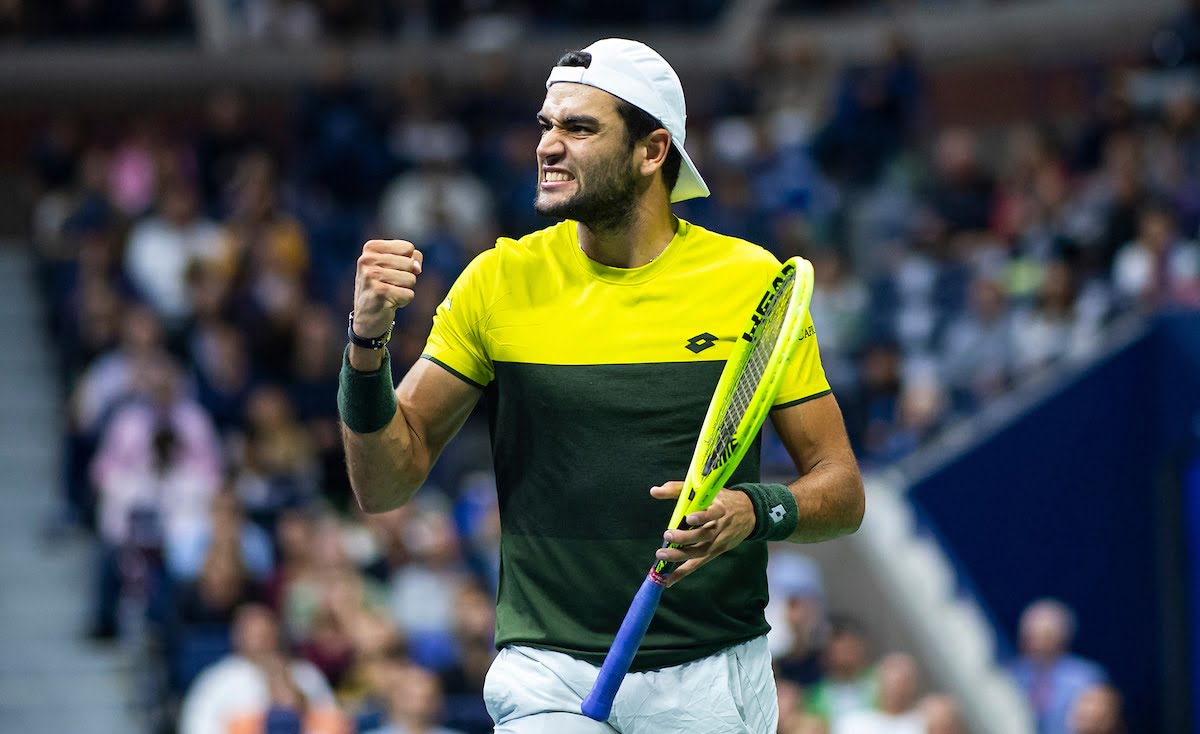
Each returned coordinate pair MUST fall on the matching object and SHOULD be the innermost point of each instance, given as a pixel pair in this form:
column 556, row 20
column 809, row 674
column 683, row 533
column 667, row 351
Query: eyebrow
column 569, row 120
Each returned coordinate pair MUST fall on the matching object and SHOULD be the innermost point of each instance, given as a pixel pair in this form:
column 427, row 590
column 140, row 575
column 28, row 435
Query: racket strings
column 750, row 375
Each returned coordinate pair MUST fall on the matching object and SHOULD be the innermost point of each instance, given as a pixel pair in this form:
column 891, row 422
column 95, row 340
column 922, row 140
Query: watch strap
column 378, row 342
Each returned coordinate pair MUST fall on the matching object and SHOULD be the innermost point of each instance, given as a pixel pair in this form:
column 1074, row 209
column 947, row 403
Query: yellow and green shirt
column 597, row 380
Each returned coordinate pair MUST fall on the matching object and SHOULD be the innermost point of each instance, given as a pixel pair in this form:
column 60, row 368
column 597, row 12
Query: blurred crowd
column 832, row 681
column 299, row 22
column 198, row 272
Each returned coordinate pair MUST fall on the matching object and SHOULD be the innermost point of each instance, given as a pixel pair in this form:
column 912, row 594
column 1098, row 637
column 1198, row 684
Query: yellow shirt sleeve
column 457, row 341
column 805, row 378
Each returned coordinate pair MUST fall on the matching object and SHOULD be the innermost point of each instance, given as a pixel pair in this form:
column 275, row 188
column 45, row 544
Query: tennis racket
column 747, row 388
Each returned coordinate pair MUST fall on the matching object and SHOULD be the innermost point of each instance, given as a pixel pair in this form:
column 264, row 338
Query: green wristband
column 366, row 400
column 775, row 511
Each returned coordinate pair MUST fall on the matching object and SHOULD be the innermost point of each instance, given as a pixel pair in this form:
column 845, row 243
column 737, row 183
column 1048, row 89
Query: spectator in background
column 415, row 704
column 95, row 326
column 55, row 164
column 1159, row 268
column 839, row 313
column 156, row 471
column 323, row 580
column 905, row 300
column 874, row 409
column 796, row 611
column 110, row 379
column 423, row 591
column 875, row 110
column 290, row 711
column 212, row 597
column 977, row 350
column 1171, row 155
column 1108, row 208
column 848, row 681
column 922, row 412
column 793, row 719
column 245, row 684
column 279, row 466
column 1029, row 158
column 294, row 533
column 474, row 638
column 266, row 259
column 62, row 217
column 942, row 715
column 312, row 392
column 140, row 163
column 330, row 641
column 187, row 552
column 223, row 372
column 260, row 239
column 1097, row 711
column 163, row 246
column 1052, row 679
column 962, row 192
column 440, row 203
column 896, row 711
column 1056, row 327
column 100, row 384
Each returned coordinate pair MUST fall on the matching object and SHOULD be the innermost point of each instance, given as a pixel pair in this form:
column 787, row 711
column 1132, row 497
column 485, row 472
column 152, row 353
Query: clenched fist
column 383, row 282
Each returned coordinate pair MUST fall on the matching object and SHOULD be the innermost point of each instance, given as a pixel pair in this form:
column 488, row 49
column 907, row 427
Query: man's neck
column 633, row 242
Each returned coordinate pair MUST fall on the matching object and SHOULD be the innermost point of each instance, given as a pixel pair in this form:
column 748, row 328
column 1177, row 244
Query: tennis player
column 598, row 343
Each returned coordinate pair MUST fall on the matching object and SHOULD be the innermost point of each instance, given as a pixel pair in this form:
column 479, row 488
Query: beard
column 604, row 204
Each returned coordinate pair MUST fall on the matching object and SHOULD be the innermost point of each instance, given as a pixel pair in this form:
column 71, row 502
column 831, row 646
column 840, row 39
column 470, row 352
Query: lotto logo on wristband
column 777, row 513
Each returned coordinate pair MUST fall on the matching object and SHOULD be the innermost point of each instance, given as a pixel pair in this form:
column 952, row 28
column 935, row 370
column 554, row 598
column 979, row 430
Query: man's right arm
column 388, row 466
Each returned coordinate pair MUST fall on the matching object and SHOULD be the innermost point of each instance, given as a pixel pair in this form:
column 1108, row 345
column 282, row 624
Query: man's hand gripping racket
column 744, row 393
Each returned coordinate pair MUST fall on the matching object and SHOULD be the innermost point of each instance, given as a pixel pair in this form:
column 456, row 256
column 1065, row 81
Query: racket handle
column 616, row 664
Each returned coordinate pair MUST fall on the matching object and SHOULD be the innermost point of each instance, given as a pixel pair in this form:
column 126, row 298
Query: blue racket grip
column 616, row 664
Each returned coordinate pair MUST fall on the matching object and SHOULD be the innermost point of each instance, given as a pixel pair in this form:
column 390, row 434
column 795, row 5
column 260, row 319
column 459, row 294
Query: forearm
column 385, row 465
column 830, row 502
column 392, row 436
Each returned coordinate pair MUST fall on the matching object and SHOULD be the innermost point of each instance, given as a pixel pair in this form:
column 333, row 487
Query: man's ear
column 656, row 145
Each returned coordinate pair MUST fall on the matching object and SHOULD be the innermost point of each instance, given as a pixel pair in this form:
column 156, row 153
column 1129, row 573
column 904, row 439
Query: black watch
column 378, row 342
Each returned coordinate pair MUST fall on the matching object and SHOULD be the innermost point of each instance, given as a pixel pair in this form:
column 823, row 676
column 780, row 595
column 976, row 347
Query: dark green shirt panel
column 577, row 447
column 576, row 450
column 571, row 597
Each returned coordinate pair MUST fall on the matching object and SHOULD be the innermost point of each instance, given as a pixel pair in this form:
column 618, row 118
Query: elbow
column 856, row 506
column 374, row 505
column 380, row 499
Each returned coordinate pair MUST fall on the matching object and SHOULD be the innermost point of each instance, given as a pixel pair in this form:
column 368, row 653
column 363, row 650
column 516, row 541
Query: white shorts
column 531, row 691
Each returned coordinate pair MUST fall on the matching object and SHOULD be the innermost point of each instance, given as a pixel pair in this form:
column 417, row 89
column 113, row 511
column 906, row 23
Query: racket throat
column 724, row 449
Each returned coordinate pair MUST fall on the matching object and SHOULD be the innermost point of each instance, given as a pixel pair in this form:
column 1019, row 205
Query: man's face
column 585, row 167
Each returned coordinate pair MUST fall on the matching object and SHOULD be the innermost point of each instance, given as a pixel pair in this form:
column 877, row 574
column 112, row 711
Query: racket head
column 723, row 443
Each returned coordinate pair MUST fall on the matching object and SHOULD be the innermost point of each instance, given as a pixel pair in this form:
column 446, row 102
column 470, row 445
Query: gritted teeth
column 558, row 176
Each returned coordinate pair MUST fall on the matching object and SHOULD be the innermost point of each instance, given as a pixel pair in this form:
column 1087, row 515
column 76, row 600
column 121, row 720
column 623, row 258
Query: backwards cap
column 636, row 73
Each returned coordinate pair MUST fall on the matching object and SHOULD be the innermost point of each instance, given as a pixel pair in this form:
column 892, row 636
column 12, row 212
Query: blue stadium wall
column 1093, row 497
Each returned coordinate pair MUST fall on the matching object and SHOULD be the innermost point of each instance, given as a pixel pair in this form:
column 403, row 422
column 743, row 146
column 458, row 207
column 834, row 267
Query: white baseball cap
column 636, row 73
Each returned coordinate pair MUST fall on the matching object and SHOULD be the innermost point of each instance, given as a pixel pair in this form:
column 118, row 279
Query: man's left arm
column 828, row 495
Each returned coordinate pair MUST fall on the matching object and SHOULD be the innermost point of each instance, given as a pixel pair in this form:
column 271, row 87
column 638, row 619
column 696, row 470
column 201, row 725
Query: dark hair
column 638, row 122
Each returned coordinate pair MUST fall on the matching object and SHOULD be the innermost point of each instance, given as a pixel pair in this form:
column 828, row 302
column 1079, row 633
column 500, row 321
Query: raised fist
column 383, row 282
